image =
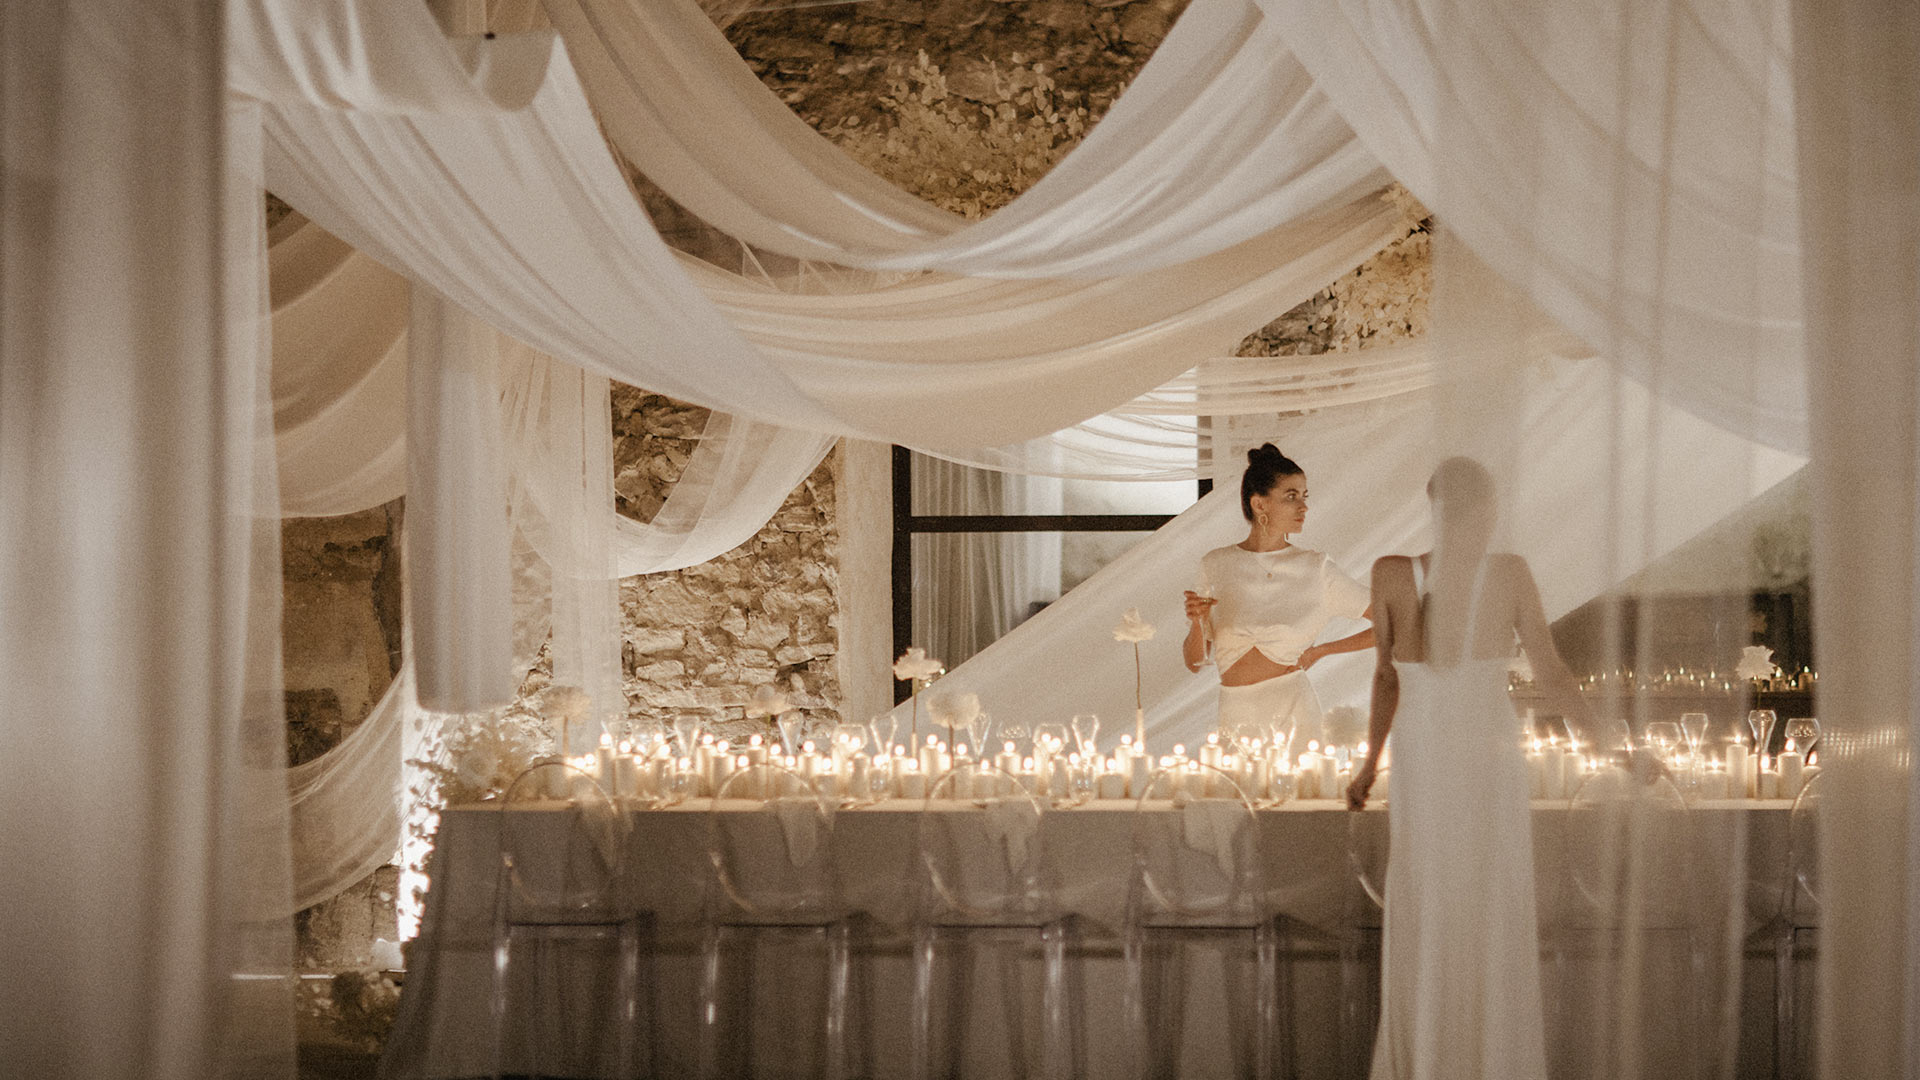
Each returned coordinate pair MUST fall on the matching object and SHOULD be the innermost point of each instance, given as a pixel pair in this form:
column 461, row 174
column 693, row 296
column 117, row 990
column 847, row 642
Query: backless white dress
column 1460, row 961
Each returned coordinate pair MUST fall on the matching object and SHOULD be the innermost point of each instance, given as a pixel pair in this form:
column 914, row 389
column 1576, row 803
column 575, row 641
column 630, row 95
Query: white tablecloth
column 444, row 1028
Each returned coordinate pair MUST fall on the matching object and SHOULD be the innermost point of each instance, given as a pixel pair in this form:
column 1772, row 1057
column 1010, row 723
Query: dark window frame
column 907, row 525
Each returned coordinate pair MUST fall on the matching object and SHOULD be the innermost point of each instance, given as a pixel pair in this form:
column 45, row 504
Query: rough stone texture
column 340, row 646
column 340, row 623
column 700, row 640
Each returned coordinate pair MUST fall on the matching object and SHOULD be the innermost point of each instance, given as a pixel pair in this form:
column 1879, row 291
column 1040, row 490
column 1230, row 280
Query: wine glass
column 792, row 724
column 686, row 727
column 1086, row 726
column 1802, row 733
column 1694, row 725
column 1762, row 721
column 979, row 725
column 1015, row 733
column 1664, row 735
column 1281, row 729
column 884, row 727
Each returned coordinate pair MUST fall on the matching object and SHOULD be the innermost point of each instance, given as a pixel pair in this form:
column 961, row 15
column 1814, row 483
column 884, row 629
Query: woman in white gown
column 1460, row 967
column 1273, row 598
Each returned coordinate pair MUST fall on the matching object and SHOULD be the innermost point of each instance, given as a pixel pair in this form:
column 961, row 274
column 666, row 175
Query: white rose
column 1133, row 628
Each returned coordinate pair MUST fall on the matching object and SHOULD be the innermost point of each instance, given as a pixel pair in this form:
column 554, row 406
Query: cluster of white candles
column 840, row 767
column 1556, row 769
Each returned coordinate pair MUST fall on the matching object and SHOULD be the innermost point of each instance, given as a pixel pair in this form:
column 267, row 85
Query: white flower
column 768, row 700
column 958, row 710
column 1756, row 662
column 916, row 664
column 568, row 703
column 1133, row 628
column 1520, row 667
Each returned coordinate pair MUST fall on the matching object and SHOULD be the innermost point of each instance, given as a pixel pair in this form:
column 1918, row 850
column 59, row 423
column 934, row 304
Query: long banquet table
column 444, row 1027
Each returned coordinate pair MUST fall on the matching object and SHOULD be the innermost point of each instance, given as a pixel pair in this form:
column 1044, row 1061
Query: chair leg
column 1783, row 1004
column 1266, row 993
column 921, row 1049
column 497, row 1006
column 839, row 964
column 709, row 1038
column 629, row 997
column 1139, row 1045
column 1056, row 1038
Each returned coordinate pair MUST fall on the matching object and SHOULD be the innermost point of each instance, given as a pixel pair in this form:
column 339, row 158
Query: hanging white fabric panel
column 142, row 760
column 1221, row 136
column 458, row 562
column 572, row 267
column 1859, row 125
column 339, row 374
column 1630, row 167
column 558, row 421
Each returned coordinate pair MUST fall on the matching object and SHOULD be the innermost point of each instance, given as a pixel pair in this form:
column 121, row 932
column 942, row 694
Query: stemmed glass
column 1802, row 733
column 1664, row 735
column 1015, row 733
column 1086, row 726
column 792, row 725
column 686, row 727
column 978, row 727
column 884, row 727
column 1762, row 721
column 1694, row 725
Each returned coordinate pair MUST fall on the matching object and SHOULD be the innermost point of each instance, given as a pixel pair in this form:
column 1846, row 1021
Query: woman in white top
column 1266, row 600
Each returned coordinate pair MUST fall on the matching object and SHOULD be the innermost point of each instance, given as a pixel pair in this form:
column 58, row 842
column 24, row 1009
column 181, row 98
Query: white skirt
column 1285, row 697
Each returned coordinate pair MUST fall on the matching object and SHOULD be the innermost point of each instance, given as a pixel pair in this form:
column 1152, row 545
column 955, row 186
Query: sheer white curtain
column 969, row 589
column 142, row 762
column 1859, row 142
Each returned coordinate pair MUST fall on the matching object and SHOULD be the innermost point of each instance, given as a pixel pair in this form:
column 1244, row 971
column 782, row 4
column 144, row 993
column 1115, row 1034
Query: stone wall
column 700, row 640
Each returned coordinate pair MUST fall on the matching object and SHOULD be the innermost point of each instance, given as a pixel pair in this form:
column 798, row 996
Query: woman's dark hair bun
column 1265, row 466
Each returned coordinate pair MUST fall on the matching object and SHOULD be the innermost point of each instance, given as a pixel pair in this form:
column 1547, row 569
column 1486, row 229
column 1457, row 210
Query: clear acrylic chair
column 560, row 897
column 982, row 882
column 1629, row 926
column 1198, row 880
column 771, row 880
column 1369, row 843
column 1799, row 917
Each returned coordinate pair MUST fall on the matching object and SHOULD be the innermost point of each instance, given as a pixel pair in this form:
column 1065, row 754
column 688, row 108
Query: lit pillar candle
column 1739, row 780
column 1139, row 775
column 756, row 750
column 859, row 775
column 1554, row 763
column 1713, row 785
column 603, row 760
column 913, row 781
column 1113, row 782
column 1308, row 784
column 1791, row 767
column 1768, row 785
column 1009, row 760
column 930, row 757
column 626, row 774
column 1059, row 776
column 1536, row 771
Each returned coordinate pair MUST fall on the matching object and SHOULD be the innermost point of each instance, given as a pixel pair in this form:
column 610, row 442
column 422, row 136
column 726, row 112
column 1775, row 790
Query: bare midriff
column 1255, row 667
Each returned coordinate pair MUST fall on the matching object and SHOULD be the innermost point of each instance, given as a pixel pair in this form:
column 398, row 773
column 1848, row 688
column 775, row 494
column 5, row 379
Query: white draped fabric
column 1859, row 139
column 1631, row 170
column 1222, row 136
column 1631, row 167
column 143, row 814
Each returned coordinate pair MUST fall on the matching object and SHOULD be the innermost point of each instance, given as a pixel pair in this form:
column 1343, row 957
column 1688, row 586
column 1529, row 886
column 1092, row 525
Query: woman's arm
column 1351, row 643
column 1194, row 649
column 1386, row 691
column 1550, row 672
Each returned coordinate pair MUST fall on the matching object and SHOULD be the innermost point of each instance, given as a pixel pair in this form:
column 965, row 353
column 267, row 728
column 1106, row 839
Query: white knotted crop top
column 1275, row 601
